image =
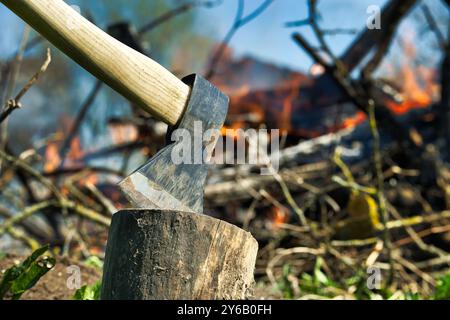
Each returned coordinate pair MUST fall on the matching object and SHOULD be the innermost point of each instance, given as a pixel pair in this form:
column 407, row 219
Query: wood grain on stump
column 154, row 254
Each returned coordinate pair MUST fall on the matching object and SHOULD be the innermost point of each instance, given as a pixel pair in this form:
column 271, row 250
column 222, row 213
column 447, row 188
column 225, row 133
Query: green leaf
column 284, row 285
column 95, row 262
column 33, row 257
column 442, row 291
column 9, row 276
column 89, row 292
column 31, row 276
column 25, row 275
column 319, row 276
column 412, row 296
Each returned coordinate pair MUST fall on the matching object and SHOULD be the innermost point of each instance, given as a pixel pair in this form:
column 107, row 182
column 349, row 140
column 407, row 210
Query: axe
column 188, row 104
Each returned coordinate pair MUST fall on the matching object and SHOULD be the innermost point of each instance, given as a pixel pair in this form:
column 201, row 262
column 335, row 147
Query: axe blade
column 163, row 184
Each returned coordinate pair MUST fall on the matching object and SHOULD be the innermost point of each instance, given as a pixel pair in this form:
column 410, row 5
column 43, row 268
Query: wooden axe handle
column 132, row 74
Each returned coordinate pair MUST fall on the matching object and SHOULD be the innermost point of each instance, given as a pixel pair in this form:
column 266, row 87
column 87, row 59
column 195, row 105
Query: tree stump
column 155, row 254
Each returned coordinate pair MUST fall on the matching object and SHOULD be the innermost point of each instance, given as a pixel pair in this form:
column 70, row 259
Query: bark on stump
column 154, row 254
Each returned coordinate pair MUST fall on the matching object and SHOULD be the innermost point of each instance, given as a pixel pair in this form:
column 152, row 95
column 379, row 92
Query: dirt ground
column 53, row 286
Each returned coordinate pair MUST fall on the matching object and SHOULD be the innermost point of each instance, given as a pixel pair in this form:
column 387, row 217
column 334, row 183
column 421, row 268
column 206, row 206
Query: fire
column 122, row 133
column 354, row 121
column 52, row 153
column 417, row 83
column 248, row 115
column 286, row 114
column 232, row 132
column 264, row 95
column 75, row 151
column 278, row 216
column 414, row 95
column 52, row 158
column 90, row 179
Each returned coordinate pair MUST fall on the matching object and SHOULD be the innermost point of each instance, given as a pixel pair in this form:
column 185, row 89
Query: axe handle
column 132, row 74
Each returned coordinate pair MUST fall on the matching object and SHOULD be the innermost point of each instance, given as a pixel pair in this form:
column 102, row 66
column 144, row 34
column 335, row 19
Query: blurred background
column 364, row 118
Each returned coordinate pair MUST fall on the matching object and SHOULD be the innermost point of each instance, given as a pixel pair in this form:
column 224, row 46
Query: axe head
column 174, row 178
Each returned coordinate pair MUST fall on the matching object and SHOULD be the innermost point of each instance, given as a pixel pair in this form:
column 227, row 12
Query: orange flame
column 75, row 151
column 278, row 216
column 122, row 133
column 418, row 85
column 52, row 158
column 354, row 121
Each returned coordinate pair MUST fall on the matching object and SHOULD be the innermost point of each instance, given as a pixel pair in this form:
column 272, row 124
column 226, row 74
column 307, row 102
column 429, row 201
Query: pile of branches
column 324, row 226
column 322, row 223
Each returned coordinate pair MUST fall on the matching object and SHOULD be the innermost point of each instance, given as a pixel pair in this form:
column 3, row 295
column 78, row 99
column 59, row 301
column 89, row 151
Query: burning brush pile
column 357, row 206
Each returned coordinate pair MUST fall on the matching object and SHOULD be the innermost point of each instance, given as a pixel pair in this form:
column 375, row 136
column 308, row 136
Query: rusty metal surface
column 163, row 184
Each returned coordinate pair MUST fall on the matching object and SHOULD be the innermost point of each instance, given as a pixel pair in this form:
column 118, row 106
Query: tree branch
column 239, row 21
column 14, row 103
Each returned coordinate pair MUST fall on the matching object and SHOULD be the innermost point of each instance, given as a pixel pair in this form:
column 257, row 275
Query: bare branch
column 434, row 26
column 14, row 103
column 239, row 21
column 79, row 120
column 176, row 12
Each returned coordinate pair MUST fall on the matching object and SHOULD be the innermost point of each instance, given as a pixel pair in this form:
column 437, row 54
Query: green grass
column 318, row 284
column 89, row 292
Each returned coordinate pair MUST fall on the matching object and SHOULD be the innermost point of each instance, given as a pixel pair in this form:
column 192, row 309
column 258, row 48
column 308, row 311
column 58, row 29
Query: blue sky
column 265, row 37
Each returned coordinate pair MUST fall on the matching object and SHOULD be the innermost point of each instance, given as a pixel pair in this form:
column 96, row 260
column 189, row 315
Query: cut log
column 155, row 254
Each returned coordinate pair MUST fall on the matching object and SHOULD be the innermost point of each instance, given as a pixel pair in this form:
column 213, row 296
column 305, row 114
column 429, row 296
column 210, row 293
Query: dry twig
column 14, row 103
